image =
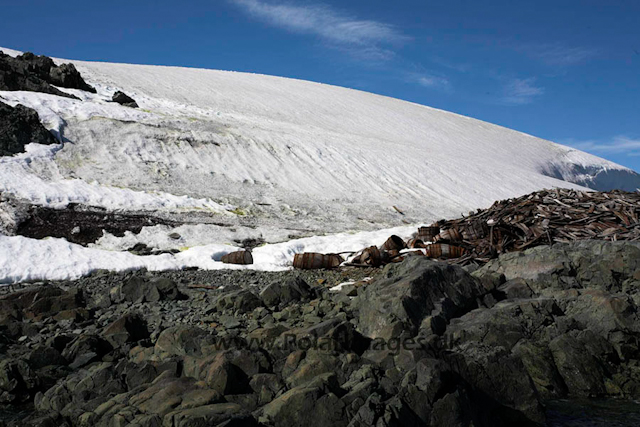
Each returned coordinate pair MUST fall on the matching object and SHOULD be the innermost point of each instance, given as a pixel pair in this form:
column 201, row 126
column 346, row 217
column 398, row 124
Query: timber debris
column 541, row 218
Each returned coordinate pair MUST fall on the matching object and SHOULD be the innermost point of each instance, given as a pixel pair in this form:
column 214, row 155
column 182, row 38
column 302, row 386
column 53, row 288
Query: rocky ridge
column 422, row 343
column 38, row 73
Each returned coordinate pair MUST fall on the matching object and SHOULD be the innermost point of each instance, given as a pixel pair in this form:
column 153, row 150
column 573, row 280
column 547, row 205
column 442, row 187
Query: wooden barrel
column 475, row 231
column 314, row 261
column 443, row 250
column 371, row 256
column 239, row 257
column 449, row 235
column 427, row 234
column 416, row 243
column 393, row 243
column 390, row 256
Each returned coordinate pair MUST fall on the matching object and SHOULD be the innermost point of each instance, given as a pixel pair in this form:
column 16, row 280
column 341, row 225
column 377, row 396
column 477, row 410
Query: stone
column 266, row 386
column 128, row 328
column 20, row 126
column 124, row 99
column 311, row 405
column 406, row 293
column 283, row 293
column 180, row 341
column 86, row 349
column 16, row 379
column 66, row 75
column 242, row 301
column 227, row 371
column 583, row 372
column 140, row 289
column 208, row 415
column 43, row 356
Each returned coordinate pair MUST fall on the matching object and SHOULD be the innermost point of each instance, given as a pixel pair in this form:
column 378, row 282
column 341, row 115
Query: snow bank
column 25, row 259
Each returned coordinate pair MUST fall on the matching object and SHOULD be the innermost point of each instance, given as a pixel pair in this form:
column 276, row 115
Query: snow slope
column 275, row 157
column 285, row 148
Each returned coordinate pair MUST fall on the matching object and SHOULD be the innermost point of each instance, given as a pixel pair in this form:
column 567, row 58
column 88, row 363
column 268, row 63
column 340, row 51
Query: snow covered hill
column 272, row 157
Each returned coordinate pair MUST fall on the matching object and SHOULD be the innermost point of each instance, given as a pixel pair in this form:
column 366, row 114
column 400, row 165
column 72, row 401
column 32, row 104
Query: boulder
column 43, row 356
column 582, row 358
column 227, row 371
column 20, row 126
column 128, row 328
column 143, row 289
column 66, row 75
column 266, row 386
column 241, row 301
column 282, row 293
column 57, row 304
column 124, row 99
column 208, row 415
column 16, row 381
column 311, row 405
column 82, row 391
column 180, row 341
column 406, row 293
column 167, row 394
column 86, row 349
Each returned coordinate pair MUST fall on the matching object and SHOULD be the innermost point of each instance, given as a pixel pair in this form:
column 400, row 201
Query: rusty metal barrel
column 449, row 235
column 393, row 243
column 314, row 261
column 428, row 234
column 443, row 250
column 239, row 257
column 371, row 256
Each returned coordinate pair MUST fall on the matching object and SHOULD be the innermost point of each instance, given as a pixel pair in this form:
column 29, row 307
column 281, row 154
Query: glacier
column 278, row 159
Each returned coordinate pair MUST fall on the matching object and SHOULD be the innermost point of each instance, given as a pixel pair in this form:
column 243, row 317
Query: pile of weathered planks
column 540, row 218
column 546, row 217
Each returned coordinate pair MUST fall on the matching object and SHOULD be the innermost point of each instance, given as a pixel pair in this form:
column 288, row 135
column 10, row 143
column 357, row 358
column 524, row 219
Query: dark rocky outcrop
column 20, row 126
column 39, row 74
column 423, row 344
column 124, row 99
column 83, row 224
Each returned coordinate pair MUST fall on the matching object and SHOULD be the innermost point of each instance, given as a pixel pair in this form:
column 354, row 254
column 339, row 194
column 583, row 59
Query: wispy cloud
column 520, row 91
column 432, row 81
column 557, row 54
column 363, row 38
column 620, row 144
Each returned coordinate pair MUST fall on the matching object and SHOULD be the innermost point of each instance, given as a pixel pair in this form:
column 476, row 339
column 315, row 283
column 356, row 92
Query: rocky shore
column 419, row 343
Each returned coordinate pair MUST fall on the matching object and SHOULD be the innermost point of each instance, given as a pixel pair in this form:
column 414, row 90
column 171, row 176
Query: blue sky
column 568, row 71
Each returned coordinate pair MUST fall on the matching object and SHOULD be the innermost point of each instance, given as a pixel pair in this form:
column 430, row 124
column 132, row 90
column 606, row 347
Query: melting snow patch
column 25, row 259
column 339, row 286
